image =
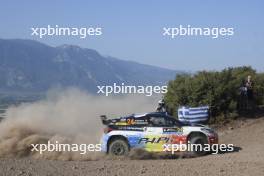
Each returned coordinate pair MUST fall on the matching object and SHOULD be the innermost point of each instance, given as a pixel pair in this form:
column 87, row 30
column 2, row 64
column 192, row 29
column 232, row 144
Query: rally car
column 153, row 132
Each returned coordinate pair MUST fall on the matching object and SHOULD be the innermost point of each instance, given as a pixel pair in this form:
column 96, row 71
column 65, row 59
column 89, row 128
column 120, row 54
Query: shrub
column 219, row 90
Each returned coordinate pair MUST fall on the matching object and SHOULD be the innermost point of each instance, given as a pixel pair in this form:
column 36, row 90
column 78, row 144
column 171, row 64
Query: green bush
column 219, row 90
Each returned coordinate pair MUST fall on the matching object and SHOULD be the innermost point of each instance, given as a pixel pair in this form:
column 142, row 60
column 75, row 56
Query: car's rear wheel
column 118, row 147
column 200, row 142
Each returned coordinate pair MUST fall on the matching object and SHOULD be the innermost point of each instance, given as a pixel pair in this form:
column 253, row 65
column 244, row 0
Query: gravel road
column 247, row 160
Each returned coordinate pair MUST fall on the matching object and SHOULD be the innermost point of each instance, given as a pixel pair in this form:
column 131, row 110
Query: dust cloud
column 66, row 116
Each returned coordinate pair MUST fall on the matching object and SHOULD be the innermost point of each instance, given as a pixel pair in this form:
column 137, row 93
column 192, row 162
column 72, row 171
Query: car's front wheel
column 118, row 147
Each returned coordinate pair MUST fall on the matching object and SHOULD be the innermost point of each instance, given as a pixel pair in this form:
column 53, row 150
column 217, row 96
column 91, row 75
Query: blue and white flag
column 193, row 114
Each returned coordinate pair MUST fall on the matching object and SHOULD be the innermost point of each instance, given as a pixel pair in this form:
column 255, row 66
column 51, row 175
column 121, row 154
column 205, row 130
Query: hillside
column 27, row 65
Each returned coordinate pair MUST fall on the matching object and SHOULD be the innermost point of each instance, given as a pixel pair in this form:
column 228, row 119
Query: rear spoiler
column 104, row 119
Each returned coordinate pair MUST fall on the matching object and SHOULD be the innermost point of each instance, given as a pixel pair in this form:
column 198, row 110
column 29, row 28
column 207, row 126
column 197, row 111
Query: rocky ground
column 248, row 137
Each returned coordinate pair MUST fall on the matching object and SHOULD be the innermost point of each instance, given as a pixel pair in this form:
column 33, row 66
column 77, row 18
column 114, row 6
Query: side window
column 162, row 122
column 170, row 122
column 157, row 121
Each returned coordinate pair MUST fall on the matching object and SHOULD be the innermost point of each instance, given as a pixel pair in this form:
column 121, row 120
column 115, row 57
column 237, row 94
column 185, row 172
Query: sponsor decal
column 174, row 129
column 154, row 140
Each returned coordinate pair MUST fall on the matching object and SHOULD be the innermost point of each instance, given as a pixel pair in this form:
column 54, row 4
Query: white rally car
column 154, row 132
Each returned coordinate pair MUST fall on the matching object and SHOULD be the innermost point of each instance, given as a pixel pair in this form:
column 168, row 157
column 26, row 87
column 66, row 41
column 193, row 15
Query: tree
column 219, row 90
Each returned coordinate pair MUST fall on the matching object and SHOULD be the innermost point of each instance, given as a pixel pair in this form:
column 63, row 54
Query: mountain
column 27, row 65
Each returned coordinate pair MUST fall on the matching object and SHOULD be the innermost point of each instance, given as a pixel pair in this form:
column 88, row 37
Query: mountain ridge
column 29, row 65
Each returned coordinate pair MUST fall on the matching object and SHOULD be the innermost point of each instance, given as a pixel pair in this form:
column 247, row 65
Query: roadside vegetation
column 220, row 90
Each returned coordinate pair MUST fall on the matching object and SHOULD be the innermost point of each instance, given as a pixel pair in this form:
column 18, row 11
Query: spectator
column 249, row 86
column 250, row 93
column 247, row 95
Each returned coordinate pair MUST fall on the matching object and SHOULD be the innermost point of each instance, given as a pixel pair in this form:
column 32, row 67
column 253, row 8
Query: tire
column 118, row 147
column 199, row 140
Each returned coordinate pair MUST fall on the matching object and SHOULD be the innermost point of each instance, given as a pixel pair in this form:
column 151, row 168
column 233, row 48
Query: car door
column 163, row 130
column 153, row 135
column 173, row 130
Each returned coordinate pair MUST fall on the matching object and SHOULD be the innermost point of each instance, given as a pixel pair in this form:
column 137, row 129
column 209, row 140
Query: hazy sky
column 133, row 30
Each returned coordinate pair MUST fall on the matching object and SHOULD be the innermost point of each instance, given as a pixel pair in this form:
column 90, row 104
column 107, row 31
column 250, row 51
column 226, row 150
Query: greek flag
column 193, row 114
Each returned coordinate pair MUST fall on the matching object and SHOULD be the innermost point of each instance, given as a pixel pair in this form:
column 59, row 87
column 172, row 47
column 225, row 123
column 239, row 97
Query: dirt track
column 249, row 160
